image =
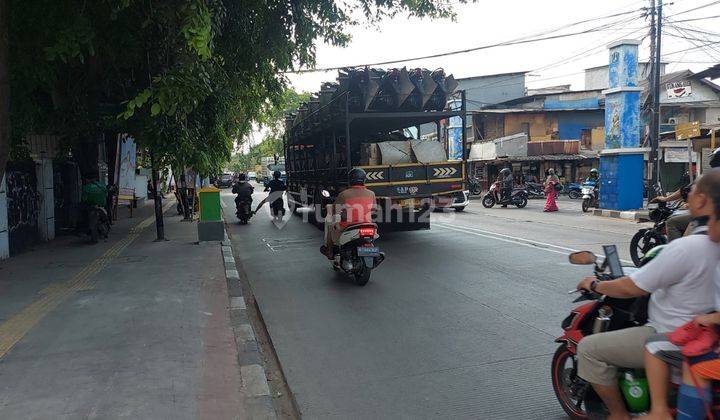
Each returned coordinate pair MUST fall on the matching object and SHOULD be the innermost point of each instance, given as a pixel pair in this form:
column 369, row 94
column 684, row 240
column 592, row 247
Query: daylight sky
column 487, row 22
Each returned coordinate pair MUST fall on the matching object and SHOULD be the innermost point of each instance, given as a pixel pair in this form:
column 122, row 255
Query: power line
column 697, row 8
column 700, row 18
column 517, row 41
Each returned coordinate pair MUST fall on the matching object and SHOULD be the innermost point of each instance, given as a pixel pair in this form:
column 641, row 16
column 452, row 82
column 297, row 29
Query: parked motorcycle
column 356, row 253
column 97, row 224
column 518, row 197
column 648, row 238
column 474, row 186
column 590, row 196
column 535, row 190
column 243, row 210
column 574, row 190
column 600, row 314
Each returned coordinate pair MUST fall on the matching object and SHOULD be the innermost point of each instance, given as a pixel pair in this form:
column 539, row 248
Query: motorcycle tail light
column 367, row 232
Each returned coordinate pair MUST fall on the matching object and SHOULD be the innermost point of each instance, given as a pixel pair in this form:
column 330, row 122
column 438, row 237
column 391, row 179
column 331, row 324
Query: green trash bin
column 210, row 226
column 210, row 209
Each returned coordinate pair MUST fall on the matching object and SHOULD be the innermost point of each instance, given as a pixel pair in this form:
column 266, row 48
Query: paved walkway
column 128, row 328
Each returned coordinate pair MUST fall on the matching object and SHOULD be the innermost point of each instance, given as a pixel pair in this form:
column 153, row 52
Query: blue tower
column 622, row 162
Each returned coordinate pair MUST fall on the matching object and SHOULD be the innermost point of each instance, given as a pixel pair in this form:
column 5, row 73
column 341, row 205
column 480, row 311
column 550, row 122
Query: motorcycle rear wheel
column 574, row 194
column 475, row 190
column 488, row 201
column 563, row 379
column 361, row 277
column 522, row 202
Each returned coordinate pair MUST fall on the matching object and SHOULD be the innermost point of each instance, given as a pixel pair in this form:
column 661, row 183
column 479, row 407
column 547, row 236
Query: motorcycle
column 474, row 186
column 590, row 196
column 97, row 224
column 535, row 190
column 356, row 253
column 518, row 197
column 243, row 209
column 574, row 190
column 648, row 238
column 600, row 314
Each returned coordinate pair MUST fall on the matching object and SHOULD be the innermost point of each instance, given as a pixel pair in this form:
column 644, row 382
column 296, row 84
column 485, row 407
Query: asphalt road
column 458, row 322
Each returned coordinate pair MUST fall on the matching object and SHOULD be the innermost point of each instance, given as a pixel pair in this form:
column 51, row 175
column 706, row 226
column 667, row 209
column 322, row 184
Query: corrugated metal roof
column 533, row 110
column 536, row 158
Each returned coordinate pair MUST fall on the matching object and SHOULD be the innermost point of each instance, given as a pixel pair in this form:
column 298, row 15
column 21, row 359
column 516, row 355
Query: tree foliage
column 186, row 77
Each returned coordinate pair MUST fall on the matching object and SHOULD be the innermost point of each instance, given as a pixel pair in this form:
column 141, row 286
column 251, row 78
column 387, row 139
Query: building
column 597, row 77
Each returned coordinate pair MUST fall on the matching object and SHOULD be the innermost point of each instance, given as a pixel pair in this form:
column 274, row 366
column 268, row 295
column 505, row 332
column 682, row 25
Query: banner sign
column 678, row 89
column 127, row 162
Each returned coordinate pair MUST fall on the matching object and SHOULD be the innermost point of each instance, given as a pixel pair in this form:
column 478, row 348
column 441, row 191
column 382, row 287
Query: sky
column 487, row 22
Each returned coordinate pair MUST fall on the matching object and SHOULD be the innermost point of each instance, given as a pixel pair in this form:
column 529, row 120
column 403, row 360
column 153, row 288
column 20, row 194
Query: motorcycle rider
column 353, row 205
column 243, row 189
column 681, row 283
column 507, row 185
column 276, row 187
column 594, row 176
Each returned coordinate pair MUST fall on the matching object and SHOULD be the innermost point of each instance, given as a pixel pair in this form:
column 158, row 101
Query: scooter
column 243, row 210
column 518, row 197
column 356, row 253
column 474, row 186
column 574, row 190
column 590, row 196
column 97, row 223
column 535, row 190
column 600, row 314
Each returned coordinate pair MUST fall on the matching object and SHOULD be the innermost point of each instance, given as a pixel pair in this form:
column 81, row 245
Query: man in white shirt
column 681, row 281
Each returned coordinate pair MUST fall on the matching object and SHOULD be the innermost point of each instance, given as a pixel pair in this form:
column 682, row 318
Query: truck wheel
column 488, row 201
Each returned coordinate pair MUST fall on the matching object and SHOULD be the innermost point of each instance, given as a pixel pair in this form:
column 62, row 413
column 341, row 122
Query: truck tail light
column 367, row 232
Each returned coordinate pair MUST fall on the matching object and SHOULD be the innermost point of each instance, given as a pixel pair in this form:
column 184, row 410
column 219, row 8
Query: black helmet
column 356, row 176
column 277, row 174
column 715, row 158
column 241, row 177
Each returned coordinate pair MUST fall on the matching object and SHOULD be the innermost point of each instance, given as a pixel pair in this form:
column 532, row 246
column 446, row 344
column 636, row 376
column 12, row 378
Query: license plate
column 368, row 251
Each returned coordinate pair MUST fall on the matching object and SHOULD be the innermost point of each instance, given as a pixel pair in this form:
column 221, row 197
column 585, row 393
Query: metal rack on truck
column 347, row 124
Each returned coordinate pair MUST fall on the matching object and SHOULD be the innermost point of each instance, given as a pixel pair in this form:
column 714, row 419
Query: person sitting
column 678, row 223
column 352, row 206
column 703, row 201
column 276, row 187
column 593, row 178
column 507, row 180
column 680, row 283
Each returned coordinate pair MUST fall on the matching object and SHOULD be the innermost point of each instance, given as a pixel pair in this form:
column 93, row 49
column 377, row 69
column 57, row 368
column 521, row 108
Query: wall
column 22, row 206
column 597, row 77
column 570, row 124
column 541, row 124
column 485, row 90
column 712, row 115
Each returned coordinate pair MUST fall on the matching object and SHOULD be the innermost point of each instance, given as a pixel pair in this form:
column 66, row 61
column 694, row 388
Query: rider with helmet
column 243, row 189
column 276, row 187
column 352, row 206
column 593, row 177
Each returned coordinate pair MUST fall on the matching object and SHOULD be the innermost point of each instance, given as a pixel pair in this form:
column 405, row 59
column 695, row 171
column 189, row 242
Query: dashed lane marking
column 17, row 326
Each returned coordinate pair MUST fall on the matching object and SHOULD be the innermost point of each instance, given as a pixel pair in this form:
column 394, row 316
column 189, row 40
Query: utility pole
column 655, row 123
column 159, row 222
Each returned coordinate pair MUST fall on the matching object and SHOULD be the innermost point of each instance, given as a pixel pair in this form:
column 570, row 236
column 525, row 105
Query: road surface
column 459, row 322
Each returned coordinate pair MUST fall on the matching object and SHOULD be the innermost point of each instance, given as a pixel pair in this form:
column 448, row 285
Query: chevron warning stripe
column 375, row 175
column 444, row 172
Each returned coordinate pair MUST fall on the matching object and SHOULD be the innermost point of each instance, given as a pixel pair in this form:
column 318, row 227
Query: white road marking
column 558, row 249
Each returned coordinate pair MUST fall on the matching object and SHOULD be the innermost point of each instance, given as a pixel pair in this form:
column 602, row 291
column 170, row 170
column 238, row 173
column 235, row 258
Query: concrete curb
column 627, row 215
column 255, row 388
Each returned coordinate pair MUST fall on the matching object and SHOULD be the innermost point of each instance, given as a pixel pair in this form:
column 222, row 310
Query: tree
column 4, row 90
column 185, row 76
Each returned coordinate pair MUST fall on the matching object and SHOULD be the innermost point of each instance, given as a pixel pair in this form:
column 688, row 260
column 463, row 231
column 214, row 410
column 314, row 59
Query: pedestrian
column 550, row 184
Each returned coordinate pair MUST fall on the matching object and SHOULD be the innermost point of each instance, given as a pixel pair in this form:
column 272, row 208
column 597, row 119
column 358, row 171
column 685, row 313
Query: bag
column 695, row 340
column 558, row 186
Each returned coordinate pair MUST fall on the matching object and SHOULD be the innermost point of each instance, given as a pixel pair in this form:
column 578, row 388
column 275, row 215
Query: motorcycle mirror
column 325, row 193
column 582, row 258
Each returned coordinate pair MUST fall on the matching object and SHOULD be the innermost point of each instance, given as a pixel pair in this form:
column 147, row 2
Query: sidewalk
column 127, row 328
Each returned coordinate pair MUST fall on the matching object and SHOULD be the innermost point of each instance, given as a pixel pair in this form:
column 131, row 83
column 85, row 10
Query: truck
column 377, row 127
column 270, row 164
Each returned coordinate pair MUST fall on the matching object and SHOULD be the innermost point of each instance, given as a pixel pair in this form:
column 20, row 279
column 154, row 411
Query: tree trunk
column 4, row 89
column 159, row 222
column 184, row 196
